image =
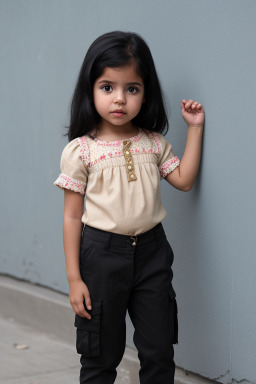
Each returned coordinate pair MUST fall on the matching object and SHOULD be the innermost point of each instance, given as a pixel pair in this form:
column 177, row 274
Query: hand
column 192, row 112
column 78, row 291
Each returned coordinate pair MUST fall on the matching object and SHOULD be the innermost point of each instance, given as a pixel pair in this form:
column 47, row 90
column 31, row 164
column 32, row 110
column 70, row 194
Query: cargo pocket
column 88, row 331
column 173, row 313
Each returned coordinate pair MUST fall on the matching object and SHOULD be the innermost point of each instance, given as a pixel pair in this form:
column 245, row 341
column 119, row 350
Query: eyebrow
column 112, row 82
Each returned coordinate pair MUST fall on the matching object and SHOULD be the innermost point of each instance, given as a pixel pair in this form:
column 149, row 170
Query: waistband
column 156, row 234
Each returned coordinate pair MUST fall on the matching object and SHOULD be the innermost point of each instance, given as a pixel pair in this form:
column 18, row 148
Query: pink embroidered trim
column 84, row 150
column 169, row 166
column 157, row 141
column 64, row 181
column 107, row 156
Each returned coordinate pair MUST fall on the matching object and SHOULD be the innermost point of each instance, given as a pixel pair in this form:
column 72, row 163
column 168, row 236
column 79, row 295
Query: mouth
column 118, row 112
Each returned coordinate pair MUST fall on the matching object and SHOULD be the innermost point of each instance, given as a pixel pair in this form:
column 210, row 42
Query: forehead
column 123, row 74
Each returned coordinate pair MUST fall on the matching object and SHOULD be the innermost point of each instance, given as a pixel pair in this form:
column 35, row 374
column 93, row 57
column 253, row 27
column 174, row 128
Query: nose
column 120, row 97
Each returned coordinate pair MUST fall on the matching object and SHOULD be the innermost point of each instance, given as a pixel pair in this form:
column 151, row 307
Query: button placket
column 129, row 160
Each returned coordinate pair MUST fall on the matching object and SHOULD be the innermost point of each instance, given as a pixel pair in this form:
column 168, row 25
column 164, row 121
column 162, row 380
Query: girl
column 117, row 254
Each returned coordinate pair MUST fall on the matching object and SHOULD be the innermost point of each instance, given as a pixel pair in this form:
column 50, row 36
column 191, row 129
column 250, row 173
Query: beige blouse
column 121, row 179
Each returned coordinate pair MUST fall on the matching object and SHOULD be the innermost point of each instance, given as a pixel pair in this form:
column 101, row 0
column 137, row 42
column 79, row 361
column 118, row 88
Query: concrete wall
column 204, row 50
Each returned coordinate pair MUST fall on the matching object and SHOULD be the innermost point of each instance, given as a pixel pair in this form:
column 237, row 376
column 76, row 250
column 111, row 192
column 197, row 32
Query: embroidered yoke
column 121, row 179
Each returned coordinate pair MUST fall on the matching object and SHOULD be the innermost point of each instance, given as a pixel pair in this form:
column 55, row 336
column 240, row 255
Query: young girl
column 117, row 254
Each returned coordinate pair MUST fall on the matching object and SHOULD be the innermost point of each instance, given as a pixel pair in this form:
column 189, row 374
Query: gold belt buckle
column 134, row 238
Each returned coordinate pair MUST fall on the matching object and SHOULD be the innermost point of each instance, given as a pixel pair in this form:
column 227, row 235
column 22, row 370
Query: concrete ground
column 32, row 357
column 37, row 339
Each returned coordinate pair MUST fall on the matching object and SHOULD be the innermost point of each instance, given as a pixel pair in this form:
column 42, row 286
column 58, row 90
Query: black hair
column 116, row 49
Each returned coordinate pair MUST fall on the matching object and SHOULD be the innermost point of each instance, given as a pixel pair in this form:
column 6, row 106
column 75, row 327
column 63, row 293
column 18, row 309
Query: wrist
column 200, row 126
column 73, row 278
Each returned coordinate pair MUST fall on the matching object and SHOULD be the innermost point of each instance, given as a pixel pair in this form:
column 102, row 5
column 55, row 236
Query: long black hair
column 116, row 49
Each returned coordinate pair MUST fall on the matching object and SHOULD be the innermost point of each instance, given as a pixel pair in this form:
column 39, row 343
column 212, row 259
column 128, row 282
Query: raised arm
column 183, row 177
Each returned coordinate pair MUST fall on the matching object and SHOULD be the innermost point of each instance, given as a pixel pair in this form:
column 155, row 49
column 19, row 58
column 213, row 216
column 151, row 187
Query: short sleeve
column 167, row 160
column 73, row 167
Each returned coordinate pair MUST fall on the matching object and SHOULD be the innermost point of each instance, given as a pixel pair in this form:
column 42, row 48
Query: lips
column 118, row 111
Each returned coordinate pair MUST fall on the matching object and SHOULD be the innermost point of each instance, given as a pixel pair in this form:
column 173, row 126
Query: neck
column 117, row 130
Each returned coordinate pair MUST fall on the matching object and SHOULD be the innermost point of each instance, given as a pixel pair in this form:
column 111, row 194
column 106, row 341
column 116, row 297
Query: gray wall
column 204, row 50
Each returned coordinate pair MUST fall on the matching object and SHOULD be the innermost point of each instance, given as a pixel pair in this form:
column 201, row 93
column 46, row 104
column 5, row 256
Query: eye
column 132, row 89
column 107, row 88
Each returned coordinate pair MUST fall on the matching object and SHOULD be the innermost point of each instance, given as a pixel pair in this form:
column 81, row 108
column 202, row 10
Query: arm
column 72, row 228
column 183, row 177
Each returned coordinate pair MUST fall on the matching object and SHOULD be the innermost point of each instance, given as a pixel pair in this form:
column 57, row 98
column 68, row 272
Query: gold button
column 132, row 176
column 127, row 152
column 129, row 167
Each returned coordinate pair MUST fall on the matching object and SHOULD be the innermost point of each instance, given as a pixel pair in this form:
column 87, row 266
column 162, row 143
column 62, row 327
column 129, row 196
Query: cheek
column 99, row 102
column 137, row 104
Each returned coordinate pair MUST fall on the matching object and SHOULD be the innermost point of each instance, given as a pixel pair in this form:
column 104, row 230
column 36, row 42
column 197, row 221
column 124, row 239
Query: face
column 118, row 96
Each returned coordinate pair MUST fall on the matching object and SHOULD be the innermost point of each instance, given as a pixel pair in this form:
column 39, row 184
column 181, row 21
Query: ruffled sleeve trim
column 67, row 182
column 74, row 166
column 169, row 166
column 167, row 160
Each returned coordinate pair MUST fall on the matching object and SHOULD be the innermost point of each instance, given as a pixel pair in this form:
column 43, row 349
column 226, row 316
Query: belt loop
column 108, row 237
column 157, row 240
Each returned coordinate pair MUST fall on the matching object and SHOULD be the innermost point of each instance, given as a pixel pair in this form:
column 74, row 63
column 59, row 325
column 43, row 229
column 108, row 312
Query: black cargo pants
column 135, row 273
